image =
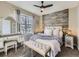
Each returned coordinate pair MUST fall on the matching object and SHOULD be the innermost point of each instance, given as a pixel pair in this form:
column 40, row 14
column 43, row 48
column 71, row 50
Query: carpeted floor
column 65, row 52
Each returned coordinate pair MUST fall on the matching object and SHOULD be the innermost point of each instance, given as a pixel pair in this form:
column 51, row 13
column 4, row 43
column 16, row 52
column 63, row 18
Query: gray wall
column 57, row 18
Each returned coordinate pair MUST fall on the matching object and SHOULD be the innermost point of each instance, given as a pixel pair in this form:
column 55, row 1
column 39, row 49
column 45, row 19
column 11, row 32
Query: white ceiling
column 57, row 6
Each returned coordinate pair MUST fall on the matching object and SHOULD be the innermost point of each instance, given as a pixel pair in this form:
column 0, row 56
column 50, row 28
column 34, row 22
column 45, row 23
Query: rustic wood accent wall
column 59, row 18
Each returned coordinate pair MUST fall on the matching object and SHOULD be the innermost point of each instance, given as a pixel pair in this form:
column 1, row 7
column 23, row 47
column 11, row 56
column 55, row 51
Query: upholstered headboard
column 53, row 30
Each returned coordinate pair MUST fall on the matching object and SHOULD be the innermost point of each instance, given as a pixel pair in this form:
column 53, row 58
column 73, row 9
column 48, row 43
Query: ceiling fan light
column 42, row 9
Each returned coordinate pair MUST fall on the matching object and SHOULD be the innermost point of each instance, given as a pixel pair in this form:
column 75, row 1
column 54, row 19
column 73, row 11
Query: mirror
column 8, row 26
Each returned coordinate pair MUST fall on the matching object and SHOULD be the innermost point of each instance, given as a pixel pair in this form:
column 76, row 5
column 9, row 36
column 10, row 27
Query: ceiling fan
column 43, row 6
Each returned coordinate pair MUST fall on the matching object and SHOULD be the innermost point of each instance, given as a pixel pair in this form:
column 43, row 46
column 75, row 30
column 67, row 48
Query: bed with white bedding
column 54, row 41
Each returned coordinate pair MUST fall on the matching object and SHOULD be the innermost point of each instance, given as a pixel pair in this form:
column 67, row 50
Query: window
column 26, row 24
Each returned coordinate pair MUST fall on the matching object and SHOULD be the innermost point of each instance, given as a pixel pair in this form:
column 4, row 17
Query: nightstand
column 69, row 41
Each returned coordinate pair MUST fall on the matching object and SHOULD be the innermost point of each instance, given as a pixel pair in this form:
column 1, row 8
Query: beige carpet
column 65, row 52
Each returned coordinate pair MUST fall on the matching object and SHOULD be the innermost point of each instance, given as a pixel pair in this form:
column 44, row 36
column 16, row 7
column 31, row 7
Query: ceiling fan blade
column 37, row 6
column 48, row 5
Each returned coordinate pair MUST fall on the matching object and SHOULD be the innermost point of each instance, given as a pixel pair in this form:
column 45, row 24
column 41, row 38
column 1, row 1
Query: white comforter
column 54, row 44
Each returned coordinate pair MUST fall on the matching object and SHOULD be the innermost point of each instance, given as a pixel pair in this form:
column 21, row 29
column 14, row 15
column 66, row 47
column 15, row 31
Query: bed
column 52, row 37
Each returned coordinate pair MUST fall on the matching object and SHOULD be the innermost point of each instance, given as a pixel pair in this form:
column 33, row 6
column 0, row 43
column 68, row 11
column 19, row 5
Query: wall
column 39, row 27
column 73, row 20
column 7, row 9
column 59, row 18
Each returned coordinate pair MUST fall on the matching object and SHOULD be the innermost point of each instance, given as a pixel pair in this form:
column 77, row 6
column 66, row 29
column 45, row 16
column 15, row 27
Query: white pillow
column 48, row 31
column 56, row 32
